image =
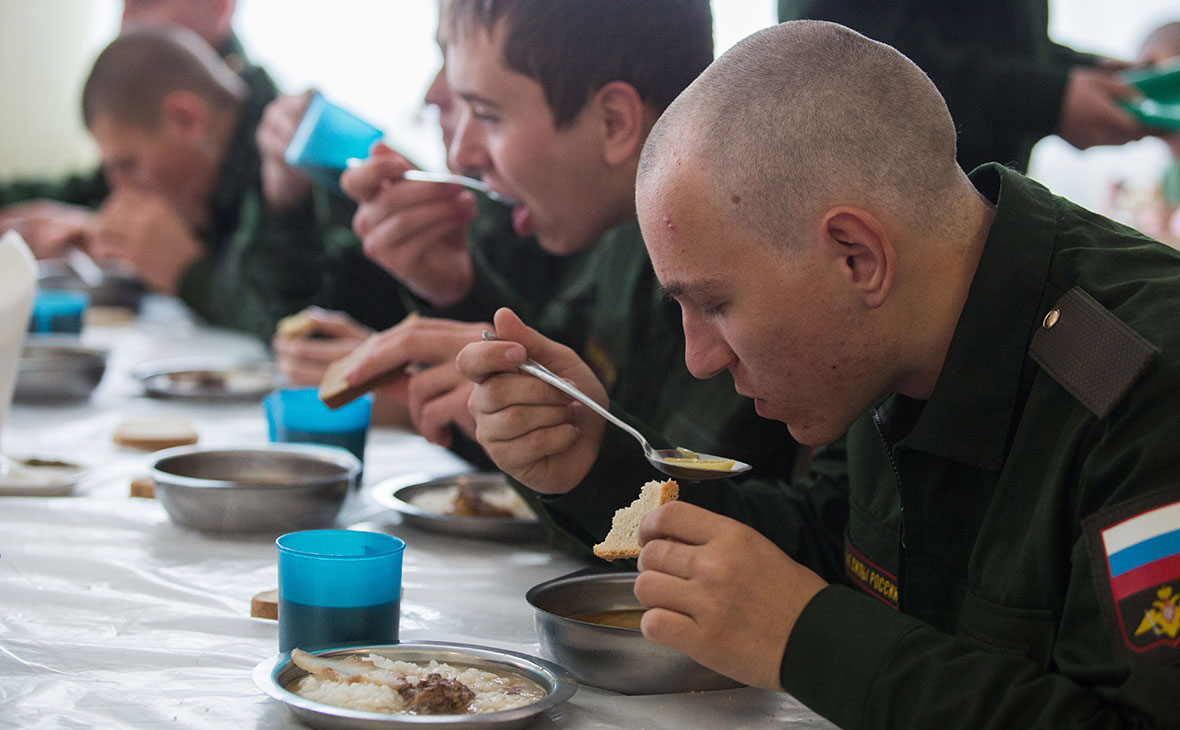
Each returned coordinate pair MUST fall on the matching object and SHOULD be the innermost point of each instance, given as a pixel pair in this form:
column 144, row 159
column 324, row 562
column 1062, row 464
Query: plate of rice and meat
column 414, row 685
column 482, row 505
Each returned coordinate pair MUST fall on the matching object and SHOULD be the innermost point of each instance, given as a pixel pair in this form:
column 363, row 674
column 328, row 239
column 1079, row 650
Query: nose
column 468, row 151
column 706, row 353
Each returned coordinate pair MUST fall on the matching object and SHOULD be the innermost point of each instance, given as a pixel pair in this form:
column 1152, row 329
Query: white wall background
column 377, row 57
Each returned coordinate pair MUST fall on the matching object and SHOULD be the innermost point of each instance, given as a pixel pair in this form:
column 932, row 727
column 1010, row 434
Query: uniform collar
column 972, row 409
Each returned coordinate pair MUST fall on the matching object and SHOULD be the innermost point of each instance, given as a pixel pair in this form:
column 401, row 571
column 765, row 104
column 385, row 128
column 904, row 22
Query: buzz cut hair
column 807, row 115
column 142, row 65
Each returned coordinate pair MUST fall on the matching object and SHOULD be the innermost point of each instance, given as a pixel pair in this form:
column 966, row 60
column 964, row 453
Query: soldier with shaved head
column 990, row 535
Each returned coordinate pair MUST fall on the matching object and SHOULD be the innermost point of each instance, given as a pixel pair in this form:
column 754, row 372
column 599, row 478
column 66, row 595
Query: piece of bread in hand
column 623, row 539
column 334, row 388
column 296, row 326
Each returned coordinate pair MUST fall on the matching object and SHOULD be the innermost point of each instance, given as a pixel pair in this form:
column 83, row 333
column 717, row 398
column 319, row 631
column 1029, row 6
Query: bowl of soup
column 588, row 622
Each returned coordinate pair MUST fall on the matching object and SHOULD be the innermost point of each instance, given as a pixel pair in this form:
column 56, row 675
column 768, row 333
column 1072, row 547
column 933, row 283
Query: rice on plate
column 379, row 684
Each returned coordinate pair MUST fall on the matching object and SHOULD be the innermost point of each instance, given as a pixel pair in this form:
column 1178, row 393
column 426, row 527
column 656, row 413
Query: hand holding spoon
column 679, row 463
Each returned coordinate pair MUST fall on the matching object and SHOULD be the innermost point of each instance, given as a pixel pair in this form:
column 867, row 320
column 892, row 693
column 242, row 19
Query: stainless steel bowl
column 58, row 369
column 610, row 657
column 274, row 675
column 272, row 489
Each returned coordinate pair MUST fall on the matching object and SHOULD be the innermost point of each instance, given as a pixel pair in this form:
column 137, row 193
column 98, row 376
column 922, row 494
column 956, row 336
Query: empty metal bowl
column 610, row 657
column 55, row 369
column 271, row 489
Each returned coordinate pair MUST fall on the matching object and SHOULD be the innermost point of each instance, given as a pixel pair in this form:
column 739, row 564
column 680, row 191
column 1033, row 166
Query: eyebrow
column 692, row 289
column 471, row 98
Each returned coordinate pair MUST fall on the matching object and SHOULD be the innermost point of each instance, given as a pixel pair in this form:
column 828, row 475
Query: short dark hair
column 575, row 47
column 133, row 74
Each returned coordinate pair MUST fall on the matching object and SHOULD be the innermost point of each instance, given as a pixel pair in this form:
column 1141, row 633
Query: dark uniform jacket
column 1001, row 76
column 1011, row 553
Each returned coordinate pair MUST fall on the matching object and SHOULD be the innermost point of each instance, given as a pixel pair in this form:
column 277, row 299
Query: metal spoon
column 450, row 177
column 447, row 177
column 669, row 461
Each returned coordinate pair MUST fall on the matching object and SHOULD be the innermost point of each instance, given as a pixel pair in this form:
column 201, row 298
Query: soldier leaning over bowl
column 995, row 541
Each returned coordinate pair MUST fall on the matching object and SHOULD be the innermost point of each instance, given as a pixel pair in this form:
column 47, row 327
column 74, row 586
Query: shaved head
column 807, row 115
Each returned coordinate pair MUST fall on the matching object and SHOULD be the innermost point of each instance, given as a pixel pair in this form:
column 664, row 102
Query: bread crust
column 621, row 542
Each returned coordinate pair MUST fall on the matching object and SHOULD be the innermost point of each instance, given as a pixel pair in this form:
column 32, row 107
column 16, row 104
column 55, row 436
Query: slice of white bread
column 152, row 433
column 623, row 539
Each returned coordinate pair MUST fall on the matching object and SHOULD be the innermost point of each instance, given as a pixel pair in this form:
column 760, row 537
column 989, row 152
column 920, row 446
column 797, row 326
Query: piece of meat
column 437, row 695
column 470, row 503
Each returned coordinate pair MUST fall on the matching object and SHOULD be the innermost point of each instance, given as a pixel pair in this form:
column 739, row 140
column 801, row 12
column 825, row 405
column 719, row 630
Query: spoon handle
column 445, row 177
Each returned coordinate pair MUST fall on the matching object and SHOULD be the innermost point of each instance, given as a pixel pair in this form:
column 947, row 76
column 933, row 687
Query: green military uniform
column 1001, row 76
column 608, row 306
column 966, row 537
column 978, row 542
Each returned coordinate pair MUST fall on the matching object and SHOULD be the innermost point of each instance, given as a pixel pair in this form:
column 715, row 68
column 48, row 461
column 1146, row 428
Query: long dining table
column 113, row 616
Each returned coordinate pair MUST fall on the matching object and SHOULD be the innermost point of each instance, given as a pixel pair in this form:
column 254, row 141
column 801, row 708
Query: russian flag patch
column 1136, row 551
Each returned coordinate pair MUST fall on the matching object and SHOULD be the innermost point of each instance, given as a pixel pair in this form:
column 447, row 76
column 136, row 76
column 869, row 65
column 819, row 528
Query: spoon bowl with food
column 678, row 462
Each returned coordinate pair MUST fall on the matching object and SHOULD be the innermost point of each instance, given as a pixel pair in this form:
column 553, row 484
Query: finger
column 431, row 383
column 479, row 361
column 516, row 422
column 366, row 180
column 338, row 325
column 508, row 389
column 680, row 521
column 408, row 344
column 551, row 354
column 656, row 590
column 404, row 210
column 436, row 413
column 526, row 451
column 672, row 629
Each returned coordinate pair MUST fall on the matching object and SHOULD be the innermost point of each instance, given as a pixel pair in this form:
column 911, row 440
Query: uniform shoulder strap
column 1092, row 353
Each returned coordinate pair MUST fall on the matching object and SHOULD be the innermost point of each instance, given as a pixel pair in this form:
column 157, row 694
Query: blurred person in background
column 1005, row 81
column 175, row 130
column 54, row 213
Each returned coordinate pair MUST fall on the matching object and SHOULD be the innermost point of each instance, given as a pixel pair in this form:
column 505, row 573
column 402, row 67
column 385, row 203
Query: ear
column 863, row 251
column 624, row 121
column 185, row 113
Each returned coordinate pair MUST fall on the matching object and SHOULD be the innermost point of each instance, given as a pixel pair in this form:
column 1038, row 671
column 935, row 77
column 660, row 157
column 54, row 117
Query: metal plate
column 399, row 495
column 207, row 379
column 27, row 476
column 275, row 674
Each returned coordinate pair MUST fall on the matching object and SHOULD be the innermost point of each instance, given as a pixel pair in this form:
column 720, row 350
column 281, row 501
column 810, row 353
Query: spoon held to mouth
column 680, row 463
column 450, row 178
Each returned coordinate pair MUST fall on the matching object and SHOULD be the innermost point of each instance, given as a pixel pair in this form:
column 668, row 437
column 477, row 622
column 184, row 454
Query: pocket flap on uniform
column 1025, row 632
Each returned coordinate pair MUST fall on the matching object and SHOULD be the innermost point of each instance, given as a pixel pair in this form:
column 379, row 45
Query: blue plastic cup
column 297, row 415
column 58, row 311
column 338, row 588
column 326, row 138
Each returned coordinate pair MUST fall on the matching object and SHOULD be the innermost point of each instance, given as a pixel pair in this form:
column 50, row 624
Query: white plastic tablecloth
column 112, row 616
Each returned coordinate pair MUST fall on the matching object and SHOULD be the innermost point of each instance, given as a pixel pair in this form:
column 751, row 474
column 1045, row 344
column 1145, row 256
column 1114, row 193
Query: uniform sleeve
column 270, row 266
column 85, row 189
column 884, row 669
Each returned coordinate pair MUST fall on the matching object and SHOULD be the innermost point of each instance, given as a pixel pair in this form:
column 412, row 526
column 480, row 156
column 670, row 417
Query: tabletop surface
column 112, row 616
